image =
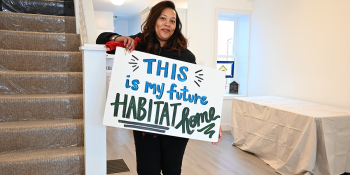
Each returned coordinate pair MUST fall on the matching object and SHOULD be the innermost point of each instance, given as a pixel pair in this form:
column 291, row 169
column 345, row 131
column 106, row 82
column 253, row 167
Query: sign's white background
column 211, row 86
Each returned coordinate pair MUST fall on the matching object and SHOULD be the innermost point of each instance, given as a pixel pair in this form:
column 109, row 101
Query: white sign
column 155, row 94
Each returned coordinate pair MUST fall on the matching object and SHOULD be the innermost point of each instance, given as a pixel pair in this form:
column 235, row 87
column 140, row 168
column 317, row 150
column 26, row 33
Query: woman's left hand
column 220, row 137
column 128, row 42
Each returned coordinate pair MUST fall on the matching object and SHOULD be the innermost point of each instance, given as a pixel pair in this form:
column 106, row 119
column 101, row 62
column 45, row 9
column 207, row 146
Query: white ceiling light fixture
column 117, row 2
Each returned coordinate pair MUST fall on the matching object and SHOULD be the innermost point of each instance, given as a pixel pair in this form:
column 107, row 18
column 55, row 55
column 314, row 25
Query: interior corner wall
column 104, row 21
column 201, row 26
column 241, row 64
column 301, row 50
column 121, row 27
column 134, row 26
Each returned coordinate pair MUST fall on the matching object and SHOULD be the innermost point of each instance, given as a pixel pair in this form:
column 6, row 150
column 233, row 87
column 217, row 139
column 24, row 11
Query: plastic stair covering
column 15, row 82
column 46, row 61
column 39, row 41
column 59, row 8
column 63, row 161
column 40, row 107
column 43, row 23
column 41, row 86
column 43, row 134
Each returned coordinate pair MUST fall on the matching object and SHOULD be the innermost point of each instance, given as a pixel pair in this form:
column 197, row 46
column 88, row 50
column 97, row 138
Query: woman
column 161, row 35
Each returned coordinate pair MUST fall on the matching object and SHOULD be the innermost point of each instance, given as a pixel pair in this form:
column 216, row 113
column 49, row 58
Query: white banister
column 77, row 16
column 85, row 21
column 94, row 73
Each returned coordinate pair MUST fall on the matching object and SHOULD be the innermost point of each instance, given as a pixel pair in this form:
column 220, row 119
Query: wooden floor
column 201, row 158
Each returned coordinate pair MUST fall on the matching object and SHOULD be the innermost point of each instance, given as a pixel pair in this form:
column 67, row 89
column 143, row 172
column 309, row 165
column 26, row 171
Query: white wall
column 301, row 49
column 134, row 26
column 241, row 64
column 121, row 27
column 201, row 20
column 104, row 21
column 183, row 18
column 201, row 26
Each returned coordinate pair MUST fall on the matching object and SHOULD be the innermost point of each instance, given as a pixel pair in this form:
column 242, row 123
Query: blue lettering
column 160, row 89
column 171, row 91
column 190, row 99
column 127, row 82
column 178, row 95
column 184, row 77
column 173, row 72
column 151, row 86
column 196, row 98
column 204, row 100
column 184, row 90
column 159, row 68
column 149, row 65
column 135, row 83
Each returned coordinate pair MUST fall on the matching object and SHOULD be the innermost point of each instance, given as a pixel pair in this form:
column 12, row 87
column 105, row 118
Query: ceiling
column 130, row 8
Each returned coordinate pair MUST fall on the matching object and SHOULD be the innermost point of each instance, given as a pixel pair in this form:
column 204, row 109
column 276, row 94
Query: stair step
column 48, row 7
column 43, row 23
column 47, row 61
column 39, row 41
column 33, row 135
column 41, row 107
column 44, row 162
column 18, row 82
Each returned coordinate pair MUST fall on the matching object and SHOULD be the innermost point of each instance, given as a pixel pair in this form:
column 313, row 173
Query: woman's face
column 165, row 25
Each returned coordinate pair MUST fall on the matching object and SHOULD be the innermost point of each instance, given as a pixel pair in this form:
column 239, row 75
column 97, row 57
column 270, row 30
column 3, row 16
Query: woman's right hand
column 128, row 42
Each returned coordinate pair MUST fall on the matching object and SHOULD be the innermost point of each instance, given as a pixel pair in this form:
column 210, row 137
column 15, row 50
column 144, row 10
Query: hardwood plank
column 200, row 158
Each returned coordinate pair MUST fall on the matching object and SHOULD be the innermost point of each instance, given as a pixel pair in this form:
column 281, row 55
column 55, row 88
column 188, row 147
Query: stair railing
column 85, row 21
column 94, row 74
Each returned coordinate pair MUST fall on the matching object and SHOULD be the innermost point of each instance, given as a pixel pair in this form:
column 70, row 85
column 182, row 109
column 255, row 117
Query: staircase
column 41, row 93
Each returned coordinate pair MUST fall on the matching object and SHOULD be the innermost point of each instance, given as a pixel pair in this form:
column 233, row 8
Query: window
column 232, row 33
column 227, row 42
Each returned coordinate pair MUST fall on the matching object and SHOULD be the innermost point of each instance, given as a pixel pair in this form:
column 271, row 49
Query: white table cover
column 293, row 137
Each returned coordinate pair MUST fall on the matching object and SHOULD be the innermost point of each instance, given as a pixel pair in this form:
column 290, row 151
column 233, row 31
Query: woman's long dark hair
column 176, row 42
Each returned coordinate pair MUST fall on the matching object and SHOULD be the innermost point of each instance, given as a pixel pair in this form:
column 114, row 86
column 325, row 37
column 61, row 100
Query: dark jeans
column 160, row 153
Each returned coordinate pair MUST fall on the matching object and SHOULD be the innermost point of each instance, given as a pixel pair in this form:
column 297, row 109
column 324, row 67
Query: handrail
column 86, row 28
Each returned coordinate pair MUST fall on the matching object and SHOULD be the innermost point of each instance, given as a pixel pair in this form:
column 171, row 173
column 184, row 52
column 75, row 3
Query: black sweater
column 185, row 55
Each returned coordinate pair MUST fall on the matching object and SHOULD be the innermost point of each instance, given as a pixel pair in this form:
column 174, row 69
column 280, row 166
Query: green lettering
column 165, row 113
column 184, row 122
column 157, row 111
column 192, row 121
column 140, row 108
column 212, row 113
column 174, row 112
column 132, row 107
column 149, row 110
column 117, row 103
column 208, row 130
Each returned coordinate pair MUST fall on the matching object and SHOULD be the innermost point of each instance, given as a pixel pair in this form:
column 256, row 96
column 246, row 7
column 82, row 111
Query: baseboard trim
column 226, row 126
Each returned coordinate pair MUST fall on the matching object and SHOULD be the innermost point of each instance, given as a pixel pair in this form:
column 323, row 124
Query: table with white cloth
column 292, row 136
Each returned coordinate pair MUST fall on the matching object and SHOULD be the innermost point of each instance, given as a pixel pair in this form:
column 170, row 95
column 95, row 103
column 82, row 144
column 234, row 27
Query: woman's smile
column 166, row 30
